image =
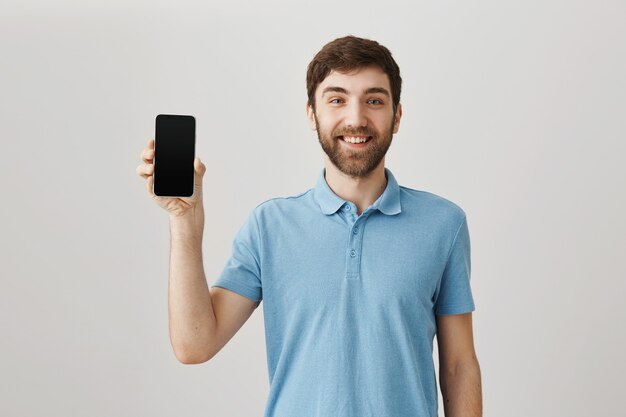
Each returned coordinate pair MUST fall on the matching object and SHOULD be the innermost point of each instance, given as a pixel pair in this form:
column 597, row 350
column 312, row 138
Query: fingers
column 145, row 170
column 199, row 166
column 200, row 169
column 149, row 183
column 147, row 155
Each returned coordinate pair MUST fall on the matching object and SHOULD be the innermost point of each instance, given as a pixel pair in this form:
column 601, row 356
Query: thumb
column 199, row 169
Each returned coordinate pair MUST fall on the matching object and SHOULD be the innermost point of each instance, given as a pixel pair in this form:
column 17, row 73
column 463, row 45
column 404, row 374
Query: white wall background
column 513, row 110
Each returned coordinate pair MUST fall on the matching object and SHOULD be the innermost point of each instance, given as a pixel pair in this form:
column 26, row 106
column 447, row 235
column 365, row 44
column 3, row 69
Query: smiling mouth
column 354, row 139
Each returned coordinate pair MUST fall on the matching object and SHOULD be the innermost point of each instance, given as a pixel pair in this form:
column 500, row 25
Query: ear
column 396, row 124
column 311, row 116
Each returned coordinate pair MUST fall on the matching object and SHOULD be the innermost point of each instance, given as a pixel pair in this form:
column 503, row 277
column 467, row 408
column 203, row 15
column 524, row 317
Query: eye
column 335, row 101
column 375, row 101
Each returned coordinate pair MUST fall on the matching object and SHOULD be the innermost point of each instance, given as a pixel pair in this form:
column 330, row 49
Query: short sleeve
column 242, row 272
column 455, row 294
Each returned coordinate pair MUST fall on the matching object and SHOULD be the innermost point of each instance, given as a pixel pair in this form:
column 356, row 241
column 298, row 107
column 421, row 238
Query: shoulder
column 427, row 203
column 282, row 204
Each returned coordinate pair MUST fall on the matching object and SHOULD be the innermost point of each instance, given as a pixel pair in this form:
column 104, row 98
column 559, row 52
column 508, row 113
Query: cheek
column 383, row 123
column 326, row 125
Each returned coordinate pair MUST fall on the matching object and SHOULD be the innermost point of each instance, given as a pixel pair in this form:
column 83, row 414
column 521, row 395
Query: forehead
column 356, row 81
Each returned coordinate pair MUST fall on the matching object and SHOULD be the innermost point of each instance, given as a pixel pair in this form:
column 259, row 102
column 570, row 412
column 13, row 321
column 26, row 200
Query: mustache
column 348, row 132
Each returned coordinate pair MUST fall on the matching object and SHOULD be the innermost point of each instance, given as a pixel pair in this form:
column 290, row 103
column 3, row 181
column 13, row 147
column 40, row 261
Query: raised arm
column 201, row 322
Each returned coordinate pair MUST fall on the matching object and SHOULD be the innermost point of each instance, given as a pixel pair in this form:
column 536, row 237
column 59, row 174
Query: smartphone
column 174, row 153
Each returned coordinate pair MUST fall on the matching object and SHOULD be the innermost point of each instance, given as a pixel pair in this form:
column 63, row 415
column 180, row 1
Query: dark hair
column 349, row 53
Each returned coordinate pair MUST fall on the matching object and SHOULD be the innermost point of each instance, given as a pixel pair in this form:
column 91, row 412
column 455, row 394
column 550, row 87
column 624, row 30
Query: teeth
column 352, row 139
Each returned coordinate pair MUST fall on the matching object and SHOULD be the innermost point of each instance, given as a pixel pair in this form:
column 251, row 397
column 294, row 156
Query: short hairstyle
column 349, row 53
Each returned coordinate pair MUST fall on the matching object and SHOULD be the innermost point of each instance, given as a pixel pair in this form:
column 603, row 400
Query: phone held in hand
column 174, row 153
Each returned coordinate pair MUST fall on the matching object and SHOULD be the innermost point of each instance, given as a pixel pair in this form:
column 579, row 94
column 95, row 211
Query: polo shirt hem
column 239, row 289
column 456, row 309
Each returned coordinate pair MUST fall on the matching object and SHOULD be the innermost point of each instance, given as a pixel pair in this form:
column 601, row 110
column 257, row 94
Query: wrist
column 188, row 225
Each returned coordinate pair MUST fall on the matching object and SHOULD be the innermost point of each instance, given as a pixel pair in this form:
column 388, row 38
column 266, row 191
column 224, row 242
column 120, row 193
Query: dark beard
column 358, row 162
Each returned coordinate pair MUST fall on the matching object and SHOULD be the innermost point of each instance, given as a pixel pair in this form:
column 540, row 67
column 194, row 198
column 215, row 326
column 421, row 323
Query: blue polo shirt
column 349, row 301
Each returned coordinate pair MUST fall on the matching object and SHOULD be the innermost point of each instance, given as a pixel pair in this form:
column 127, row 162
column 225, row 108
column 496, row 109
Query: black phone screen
column 174, row 153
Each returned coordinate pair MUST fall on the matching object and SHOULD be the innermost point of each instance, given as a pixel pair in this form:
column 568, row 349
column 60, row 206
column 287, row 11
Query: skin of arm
column 459, row 370
column 192, row 319
column 201, row 320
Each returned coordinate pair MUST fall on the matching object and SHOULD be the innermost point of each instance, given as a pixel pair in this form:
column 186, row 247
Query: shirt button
column 353, row 253
column 355, row 230
column 347, row 207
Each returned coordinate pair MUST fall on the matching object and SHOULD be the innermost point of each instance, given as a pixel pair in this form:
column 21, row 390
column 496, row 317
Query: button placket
column 354, row 246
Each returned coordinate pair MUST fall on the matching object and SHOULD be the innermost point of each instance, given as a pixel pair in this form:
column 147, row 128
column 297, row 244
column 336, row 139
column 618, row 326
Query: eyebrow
column 370, row 90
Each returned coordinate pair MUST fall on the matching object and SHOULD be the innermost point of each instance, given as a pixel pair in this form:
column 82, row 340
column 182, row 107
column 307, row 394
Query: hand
column 175, row 206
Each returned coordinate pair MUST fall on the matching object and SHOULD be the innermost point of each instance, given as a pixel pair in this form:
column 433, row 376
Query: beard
column 355, row 162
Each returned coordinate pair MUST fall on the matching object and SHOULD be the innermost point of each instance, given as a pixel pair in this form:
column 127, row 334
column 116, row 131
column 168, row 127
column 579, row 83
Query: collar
column 329, row 202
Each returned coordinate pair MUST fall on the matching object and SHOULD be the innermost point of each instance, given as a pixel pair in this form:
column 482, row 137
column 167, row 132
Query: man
column 357, row 274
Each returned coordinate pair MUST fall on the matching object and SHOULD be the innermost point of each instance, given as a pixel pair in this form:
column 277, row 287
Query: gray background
column 513, row 110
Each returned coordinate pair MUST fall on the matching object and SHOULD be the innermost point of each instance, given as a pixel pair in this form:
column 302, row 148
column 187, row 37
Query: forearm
column 191, row 317
column 462, row 391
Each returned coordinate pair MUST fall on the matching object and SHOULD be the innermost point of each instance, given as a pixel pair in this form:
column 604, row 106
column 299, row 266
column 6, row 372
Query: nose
column 355, row 115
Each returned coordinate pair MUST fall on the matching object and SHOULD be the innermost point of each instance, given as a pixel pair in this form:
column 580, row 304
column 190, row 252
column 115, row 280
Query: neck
column 362, row 191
